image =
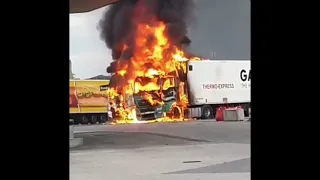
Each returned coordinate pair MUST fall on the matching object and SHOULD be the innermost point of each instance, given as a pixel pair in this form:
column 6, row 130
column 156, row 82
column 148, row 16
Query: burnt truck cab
column 145, row 110
column 168, row 95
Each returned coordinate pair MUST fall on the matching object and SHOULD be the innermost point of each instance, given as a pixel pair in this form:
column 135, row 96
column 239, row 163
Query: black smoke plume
column 119, row 22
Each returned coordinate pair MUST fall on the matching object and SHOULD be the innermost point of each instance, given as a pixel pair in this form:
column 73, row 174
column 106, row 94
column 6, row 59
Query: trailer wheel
column 206, row 112
column 76, row 121
column 93, row 119
column 84, row 120
column 102, row 118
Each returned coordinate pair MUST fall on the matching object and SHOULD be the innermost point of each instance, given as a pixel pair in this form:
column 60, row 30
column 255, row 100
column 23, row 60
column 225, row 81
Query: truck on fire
column 195, row 92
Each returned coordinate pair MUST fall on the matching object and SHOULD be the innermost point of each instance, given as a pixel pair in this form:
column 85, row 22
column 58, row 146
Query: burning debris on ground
column 146, row 38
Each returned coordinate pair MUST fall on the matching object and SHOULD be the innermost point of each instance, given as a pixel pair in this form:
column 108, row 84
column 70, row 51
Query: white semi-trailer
column 219, row 82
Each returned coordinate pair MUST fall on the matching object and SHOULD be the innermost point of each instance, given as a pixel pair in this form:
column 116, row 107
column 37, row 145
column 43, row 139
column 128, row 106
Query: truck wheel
column 93, row 119
column 76, row 121
column 176, row 112
column 207, row 112
column 102, row 118
column 84, row 120
column 139, row 117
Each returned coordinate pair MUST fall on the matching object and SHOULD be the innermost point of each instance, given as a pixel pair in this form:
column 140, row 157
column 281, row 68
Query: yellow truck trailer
column 87, row 103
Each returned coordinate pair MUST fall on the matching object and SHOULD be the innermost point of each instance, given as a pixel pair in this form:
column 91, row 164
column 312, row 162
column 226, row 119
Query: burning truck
column 153, row 96
column 152, row 67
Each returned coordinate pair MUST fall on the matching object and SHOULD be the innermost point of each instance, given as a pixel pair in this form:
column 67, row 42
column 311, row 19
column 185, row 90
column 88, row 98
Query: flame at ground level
column 129, row 116
column 164, row 120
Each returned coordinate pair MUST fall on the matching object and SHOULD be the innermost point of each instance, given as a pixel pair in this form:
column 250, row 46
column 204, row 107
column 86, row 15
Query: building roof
column 80, row 6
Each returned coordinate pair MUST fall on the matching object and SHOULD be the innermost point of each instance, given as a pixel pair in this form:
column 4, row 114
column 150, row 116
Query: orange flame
column 153, row 58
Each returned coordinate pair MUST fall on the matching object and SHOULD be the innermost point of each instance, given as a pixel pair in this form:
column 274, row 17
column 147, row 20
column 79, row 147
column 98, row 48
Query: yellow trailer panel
column 85, row 96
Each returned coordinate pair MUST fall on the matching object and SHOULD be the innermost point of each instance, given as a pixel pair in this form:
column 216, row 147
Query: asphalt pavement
column 185, row 150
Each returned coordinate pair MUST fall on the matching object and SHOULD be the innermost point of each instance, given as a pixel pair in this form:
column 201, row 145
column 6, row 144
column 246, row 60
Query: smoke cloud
column 119, row 23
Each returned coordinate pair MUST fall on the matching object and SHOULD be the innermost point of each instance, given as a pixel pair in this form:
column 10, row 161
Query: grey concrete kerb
column 73, row 142
column 76, row 142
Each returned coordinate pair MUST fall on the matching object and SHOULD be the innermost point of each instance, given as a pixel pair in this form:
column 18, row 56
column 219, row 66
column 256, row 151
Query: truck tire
column 207, row 112
column 84, row 120
column 176, row 112
column 93, row 119
column 76, row 120
column 102, row 118
column 139, row 117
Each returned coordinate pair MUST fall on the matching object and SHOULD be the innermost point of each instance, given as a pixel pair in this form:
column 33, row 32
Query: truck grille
column 147, row 113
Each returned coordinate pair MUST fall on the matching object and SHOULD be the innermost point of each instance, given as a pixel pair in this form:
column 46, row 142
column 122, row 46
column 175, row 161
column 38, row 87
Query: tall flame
column 153, row 57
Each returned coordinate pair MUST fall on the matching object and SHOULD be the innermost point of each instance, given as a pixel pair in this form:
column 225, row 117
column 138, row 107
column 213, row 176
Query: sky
column 89, row 54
